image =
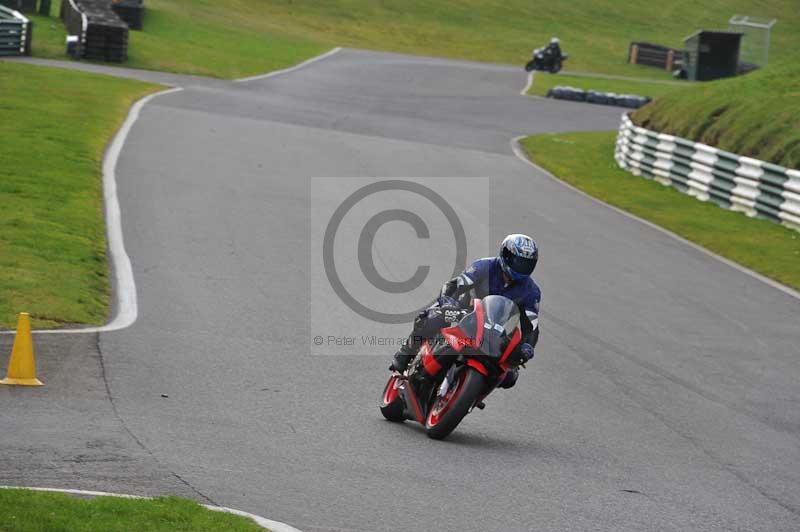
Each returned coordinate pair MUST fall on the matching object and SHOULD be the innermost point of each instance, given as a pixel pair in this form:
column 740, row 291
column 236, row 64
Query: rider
column 553, row 49
column 507, row 274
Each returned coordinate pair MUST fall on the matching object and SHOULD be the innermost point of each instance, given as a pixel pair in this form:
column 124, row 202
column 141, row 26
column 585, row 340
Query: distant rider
column 553, row 50
column 508, row 274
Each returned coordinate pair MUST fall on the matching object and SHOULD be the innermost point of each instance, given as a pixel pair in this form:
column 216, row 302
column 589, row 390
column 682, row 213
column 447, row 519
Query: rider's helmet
column 518, row 256
column 554, row 40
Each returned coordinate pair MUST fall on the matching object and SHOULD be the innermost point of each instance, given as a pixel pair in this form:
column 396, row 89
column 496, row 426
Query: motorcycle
column 545, row 62
column 453, row 374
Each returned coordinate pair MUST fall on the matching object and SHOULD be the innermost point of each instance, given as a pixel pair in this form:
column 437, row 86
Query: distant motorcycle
column 545, row 62
column 467, row 361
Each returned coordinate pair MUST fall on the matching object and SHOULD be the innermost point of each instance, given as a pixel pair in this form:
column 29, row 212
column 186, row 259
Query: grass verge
column 235, row 38
column 760, row 245
column 542, row 82
column 756, row 115
column 55, row 125
column 33, row 511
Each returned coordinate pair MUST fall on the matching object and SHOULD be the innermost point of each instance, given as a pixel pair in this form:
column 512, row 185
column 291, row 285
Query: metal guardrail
column 734, row 182
column 15, row 33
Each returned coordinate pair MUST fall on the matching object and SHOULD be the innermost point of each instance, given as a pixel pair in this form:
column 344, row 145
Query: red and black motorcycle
column 456, row 371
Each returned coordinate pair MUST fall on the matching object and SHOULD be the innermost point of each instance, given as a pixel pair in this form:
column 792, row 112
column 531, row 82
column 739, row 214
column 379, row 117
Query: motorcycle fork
column 447, row 382
column 413, row 408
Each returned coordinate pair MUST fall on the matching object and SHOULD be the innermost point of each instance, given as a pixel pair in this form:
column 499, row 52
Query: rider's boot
column 402, row 358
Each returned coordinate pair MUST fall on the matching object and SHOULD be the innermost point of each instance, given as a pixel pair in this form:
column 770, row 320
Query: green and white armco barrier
column 15, row 32
column 754, row 187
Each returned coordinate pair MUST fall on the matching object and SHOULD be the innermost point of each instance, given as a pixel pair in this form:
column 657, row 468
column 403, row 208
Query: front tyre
column 448, row 411
column 392, row 403
column 530, row 65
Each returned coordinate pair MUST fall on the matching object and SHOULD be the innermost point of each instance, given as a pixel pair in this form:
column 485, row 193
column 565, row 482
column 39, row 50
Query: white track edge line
column 524, row 92
column 125, row 287
column 290, row 69
column 774, row 284
column 275, row 526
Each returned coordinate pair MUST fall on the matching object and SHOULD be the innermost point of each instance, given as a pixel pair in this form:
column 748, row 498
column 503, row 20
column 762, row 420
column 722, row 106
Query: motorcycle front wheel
column 530, row 65
column 448, row 410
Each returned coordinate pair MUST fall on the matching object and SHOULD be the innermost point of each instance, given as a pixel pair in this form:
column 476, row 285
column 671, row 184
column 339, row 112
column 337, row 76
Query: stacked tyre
column 567, row 93
column 130, row 11
column 101, row 34
column 631, row 101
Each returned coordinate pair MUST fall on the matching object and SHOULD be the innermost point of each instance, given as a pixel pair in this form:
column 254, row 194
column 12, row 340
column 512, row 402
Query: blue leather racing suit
column 484, row 277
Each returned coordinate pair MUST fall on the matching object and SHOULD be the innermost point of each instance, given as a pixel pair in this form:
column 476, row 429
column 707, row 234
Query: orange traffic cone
column 22, row 366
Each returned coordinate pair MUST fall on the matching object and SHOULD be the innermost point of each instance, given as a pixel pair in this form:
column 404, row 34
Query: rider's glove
column 527, row 351
column 447, row 301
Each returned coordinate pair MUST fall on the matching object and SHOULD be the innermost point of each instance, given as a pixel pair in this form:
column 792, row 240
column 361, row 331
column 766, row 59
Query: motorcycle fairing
column 469, row 331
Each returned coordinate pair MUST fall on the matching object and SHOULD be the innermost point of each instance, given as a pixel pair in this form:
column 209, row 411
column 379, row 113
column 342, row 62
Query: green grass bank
column 31, row 511
column 760, row 245
column 757, row 115
column 55, row 125
column 242, row 37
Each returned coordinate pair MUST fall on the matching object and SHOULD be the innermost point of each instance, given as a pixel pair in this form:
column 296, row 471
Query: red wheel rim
column 390, row 393
column 443, row 404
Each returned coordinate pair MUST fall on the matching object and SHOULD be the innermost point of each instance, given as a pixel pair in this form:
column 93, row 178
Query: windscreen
column 501, row 319
column 501, row 311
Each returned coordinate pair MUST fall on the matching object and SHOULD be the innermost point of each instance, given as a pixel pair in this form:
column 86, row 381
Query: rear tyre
column 391, row 403
column 448, row 411
column 555, row 68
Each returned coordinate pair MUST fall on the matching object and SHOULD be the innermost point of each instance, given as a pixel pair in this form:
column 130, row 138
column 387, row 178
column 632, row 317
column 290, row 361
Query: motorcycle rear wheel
column 391, row 402
column 448, row 411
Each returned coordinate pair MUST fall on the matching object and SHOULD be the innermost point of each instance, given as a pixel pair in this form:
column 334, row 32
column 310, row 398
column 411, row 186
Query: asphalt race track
column 664, row 395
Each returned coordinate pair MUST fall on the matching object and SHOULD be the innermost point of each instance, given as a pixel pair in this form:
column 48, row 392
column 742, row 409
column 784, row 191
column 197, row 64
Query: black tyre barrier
column 130, row 11
column 23, row 6
column 631, row 101
column 655, row 55
column 567, row 93
column 597, row 97
column 102, row 35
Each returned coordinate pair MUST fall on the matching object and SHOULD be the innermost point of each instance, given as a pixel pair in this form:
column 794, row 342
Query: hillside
column 240, row 37
column 756, row 115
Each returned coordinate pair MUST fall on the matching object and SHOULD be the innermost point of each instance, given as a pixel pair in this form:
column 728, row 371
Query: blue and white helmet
column 518, row 256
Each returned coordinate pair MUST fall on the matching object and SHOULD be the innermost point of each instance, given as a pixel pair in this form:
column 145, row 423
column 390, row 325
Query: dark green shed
column 711, row 54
